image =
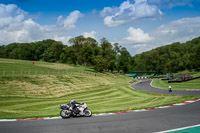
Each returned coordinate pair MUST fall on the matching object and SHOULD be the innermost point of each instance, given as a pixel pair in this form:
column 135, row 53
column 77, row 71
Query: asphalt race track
column 136, row 122
column 145, row 86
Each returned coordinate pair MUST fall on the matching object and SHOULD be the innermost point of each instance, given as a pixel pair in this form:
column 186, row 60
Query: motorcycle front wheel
column 88, row 113
column 64, row 114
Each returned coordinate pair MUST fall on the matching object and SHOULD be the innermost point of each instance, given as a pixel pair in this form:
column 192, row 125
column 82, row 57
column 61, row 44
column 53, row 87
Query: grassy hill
column 9, row 67
column 28, row 90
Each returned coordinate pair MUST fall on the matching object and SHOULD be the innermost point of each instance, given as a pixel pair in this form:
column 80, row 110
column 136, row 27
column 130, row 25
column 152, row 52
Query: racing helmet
column 72, row 100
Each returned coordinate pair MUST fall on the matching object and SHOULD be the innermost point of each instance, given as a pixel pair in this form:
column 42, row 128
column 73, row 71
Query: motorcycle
column 80, row 110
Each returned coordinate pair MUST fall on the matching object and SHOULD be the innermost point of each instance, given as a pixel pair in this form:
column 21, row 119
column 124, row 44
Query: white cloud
column 15, row 26
column 91, row 34
column 107, row 11
column 112, row 23
column 180, row 30
column 137, row 41
column 10, row 14
column 170, row 3
column 63, row 39
column 137, row 36
column 139, row 48
column 69, row 21
column 127, row 12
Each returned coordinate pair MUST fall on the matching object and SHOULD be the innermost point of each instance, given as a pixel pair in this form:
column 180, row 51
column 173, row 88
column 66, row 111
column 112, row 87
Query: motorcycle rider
column 74, row 107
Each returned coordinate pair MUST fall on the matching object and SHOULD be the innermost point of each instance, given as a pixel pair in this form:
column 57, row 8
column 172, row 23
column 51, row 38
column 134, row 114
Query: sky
column 138, row 25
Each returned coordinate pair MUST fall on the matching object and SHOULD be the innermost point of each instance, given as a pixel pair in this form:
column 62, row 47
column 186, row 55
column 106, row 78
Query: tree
column 108, row 53
column 87, row 54
column 2, row 52
column 99, row 63
column 9, row 48
column 92, row 42
column 170, row 58
column 106, row 48
column 77, row 44
column 124, row 60
column 197, row 58
column 68, row 55
column 26, row 51
column 52, row 54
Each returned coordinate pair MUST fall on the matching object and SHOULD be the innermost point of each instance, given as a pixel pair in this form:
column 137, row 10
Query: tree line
column 104, row 56
column 83, row 51
column 170, row 58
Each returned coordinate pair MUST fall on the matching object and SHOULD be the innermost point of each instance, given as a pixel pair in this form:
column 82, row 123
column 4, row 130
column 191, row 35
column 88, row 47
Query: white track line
column 3, row 120
column 178, row 129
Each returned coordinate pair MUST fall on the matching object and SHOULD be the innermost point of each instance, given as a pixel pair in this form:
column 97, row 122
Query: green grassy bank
column 188, row 85
column 40, row 94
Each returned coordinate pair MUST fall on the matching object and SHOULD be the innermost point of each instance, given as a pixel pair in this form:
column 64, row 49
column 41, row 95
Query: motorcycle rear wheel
column 64, row 114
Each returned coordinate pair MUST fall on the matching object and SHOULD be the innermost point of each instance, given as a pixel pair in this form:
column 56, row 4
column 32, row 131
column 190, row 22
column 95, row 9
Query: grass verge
column 192, row 84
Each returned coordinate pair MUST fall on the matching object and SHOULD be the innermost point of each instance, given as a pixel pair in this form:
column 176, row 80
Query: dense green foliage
column 106, row 57
column 83, row 51
column 170, row 58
